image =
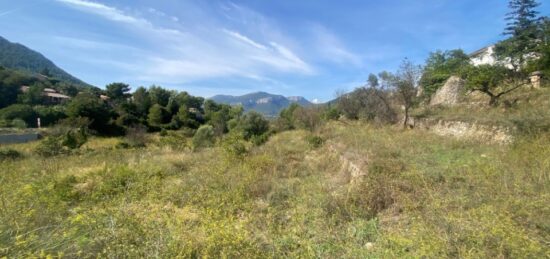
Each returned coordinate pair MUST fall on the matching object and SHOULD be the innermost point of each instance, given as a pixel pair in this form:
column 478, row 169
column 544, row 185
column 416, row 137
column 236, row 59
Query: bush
column 51, row 146
column 307, row 118
column 19, row 111
column 19, row 123
column 331, row 113
column 49, row 115
column 62, row 144
column 9, row 154
column 204, row 137
column 261, row 139
column 254, row 124
column 136, row 137
column 235, row 146
column 314, row 141
column 174, row 140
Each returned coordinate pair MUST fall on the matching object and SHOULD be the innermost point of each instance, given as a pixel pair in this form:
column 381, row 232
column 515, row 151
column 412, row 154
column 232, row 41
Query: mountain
column 17, row 56
column 262, row 102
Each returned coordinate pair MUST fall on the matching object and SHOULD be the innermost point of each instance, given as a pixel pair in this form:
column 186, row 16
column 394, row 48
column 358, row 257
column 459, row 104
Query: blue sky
column 310, row 48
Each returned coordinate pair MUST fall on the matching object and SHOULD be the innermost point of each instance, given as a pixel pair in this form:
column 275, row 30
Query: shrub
column 204, row 137
column 314, row 141
column 19, row 111
column 307, row 118
column 261, row 139
column 331, row 113
column 9, row 154
column 174, row 140
column 50, row 115
column 19, row 123
column 136, row 137
column 62, row 143
column 90, row 106
column 234, row 146
column 254, row 124
column 51, row 146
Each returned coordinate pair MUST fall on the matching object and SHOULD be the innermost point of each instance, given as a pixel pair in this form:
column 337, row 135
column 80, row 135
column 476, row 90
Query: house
column 51, row 95
column 486, row 56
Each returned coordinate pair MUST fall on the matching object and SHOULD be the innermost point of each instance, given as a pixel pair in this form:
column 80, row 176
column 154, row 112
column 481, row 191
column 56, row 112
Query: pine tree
column 522, row 18
column 523, row 28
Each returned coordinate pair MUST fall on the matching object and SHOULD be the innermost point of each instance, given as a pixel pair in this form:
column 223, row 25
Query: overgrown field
column 423, row 195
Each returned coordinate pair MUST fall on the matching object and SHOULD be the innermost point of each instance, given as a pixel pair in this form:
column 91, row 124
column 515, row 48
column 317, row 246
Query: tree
column 307, row 118
column 118, row 91
column 157, row 115
column 67, row 89
column 543, row 62
column 187, row 118
column 441, row 65
column 90, row 106
column 373, row 81
column 493, row 80
column 33, row 96
column 8, row 94
column 253, row 124
column 523, row 31
column 142, row 101
column 348, row 105
column 286, row 119
column 19, row 111
column 204, row 137
column 405, row 82
column 522, row 18
column 159, row 95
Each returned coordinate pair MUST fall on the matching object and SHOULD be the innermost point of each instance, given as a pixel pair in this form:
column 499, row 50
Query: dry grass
column 424, row 196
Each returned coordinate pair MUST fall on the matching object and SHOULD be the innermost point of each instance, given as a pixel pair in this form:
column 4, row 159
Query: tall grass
column 423, row 196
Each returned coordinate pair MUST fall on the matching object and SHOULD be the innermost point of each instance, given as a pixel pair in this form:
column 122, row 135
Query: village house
column 52, row 96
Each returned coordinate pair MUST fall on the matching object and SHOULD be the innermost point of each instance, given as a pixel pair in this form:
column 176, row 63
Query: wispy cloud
column 187, row 54
column 245, row 39
column 331, row 47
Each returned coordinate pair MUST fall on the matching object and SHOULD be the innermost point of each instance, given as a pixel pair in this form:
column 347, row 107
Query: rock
column 535, row 78
column 369, row 246
column 449, row 93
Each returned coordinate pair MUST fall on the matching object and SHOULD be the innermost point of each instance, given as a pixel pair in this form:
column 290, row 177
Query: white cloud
column 245, row 39
column 331, row 47
column 175, row 55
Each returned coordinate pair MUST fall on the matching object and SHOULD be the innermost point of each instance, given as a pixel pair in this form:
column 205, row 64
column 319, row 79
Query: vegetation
column 17, row 56
column 440, row 66
column 162, row 173
column 283, row 199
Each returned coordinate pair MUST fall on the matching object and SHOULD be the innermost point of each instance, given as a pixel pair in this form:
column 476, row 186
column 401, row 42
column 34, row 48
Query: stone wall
column 467, row 130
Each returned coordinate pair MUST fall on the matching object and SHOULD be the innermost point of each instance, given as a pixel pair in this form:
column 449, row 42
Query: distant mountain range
column 262, row 102
column 17, row 56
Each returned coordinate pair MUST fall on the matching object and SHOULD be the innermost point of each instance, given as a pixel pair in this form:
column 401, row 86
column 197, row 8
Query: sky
column 310, row 48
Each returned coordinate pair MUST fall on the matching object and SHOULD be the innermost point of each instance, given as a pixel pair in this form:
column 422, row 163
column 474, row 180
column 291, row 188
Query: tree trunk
column 494, row 100
column 406, row 120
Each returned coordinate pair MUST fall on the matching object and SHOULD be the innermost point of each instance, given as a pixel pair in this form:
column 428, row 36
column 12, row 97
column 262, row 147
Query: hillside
column 262, row 102
column 367, row 192
column 17, row 56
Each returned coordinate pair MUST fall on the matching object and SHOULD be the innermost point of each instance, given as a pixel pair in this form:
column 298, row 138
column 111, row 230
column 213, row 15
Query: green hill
column 17, row 56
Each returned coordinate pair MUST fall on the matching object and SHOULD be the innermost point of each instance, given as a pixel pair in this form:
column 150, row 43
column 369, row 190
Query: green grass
column 424, row 196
